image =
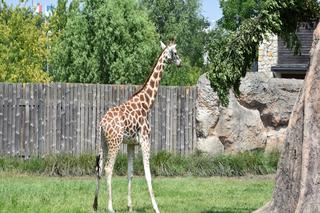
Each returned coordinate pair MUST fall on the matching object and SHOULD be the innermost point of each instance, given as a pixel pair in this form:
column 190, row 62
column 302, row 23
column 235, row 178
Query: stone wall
column 257, row 119
column 268, row 54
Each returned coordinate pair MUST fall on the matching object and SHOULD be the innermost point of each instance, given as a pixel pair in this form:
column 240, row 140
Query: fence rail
column 40, row 119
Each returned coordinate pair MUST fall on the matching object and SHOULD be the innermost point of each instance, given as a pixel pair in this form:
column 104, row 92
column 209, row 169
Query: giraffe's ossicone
column 129, row 121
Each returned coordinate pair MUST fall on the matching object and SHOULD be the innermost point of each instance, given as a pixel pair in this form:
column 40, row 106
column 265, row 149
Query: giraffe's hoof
column 110, row 210
column 95, row 204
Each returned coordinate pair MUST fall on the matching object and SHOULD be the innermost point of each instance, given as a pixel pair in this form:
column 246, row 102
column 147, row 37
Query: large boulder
column 226, row 129
column 210, row 145
column 256, row 119
column 273, row 97
column 275, row 139
column 240, row 129
column 207, row 106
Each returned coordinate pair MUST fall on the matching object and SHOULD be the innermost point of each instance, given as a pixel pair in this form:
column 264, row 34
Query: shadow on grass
column 141, row 210
column 229, row 210
column 120, row 210
column 213, row 210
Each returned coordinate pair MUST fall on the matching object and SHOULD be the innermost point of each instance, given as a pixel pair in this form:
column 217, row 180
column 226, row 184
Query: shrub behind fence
column 40, row 119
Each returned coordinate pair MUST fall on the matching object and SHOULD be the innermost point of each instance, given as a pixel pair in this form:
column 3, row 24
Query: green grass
column 162, row 164
column 32, row 193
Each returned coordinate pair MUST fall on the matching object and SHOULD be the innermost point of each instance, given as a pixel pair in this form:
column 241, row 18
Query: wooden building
column 290, row 65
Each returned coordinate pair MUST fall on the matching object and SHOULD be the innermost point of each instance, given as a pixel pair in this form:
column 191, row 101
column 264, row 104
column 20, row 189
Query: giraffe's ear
column 163, row 46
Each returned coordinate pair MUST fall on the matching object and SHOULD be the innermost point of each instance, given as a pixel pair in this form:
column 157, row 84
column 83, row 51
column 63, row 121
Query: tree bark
column 298, row 175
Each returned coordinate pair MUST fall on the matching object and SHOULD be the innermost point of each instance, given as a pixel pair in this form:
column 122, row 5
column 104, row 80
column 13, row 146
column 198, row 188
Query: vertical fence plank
column 67, row 124
column 78, row 119
column 186, row 120
column 5, row 119
column 168, row 123
column 58, row 126
column 63, row 119
column 35, row 119
column 2, row 94
column 26, row 128
column 173, row 97
column 163, row 118
column 9, row 119
column 97, row 118
column 51, row 119
column 70, row 101
column 71, row 118
column 189, row 120
column 55, row 132
column 92, row 115
column 88, row 118
column 48, row 121
column 31, row 141
column 45, row 93
column 12, row 118
column 47, row 125
column 82, row 114
column 194, row 138
column 40, row 118
column 178, row 122
column 17, row 115
column 73, row 114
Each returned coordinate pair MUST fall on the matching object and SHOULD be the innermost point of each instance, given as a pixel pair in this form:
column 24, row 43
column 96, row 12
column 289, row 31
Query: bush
column 162, row 164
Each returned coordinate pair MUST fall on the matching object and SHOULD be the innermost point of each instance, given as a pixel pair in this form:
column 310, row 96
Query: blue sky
column 210, row 8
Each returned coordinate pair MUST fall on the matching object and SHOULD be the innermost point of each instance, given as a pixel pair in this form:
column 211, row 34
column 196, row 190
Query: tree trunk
column 298, row 176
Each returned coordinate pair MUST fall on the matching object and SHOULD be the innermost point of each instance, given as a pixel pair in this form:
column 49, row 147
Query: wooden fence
column 40, row 119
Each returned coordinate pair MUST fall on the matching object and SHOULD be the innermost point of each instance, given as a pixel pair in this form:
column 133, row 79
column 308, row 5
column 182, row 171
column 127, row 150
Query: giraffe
column 130, row 120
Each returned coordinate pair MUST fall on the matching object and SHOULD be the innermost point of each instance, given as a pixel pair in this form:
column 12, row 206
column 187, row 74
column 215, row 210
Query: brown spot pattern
column 155, row 75
column 152, row 83
column 149, row 92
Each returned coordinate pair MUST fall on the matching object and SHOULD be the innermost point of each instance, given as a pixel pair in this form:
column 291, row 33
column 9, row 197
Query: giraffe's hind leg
column 130, row 151
column 113, row 149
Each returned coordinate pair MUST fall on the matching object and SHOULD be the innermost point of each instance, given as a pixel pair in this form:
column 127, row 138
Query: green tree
column 105, row 42
column 181, row 19
column 236, row 11
column 232, row 54
column 23, row 51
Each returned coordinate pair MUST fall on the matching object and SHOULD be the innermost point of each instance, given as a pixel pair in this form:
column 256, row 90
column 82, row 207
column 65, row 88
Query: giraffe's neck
column 150, row 88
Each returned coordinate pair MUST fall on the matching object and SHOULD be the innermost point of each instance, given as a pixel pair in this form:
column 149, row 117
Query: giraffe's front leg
column 145, row 147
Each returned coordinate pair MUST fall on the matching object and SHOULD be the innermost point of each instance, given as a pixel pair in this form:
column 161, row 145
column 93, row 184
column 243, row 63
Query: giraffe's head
column 171, row 55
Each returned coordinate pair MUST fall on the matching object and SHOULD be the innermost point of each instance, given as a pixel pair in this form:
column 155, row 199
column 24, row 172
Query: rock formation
column 257, row 119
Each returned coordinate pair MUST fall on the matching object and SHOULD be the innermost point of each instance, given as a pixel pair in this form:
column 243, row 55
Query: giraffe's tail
column 99, row 147
column 98, row 169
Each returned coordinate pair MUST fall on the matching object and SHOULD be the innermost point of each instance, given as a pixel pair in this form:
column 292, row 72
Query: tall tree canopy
column 236, row 11
column 231, row 55
column 180, row 19
column 105, row 42
column 23, row 50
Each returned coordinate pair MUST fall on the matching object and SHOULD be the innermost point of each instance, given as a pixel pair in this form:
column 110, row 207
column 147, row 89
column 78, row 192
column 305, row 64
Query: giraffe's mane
column 150, row 74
